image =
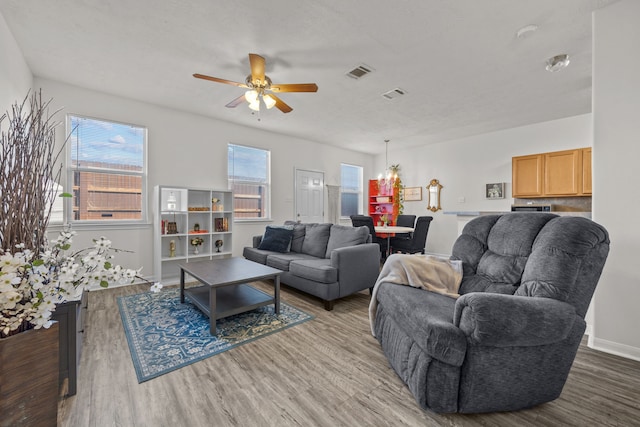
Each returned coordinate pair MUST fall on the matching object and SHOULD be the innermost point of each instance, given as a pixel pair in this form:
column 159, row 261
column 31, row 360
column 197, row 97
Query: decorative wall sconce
column 433, row 189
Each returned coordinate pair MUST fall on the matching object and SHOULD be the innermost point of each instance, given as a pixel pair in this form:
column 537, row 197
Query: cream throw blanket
column 420, row 271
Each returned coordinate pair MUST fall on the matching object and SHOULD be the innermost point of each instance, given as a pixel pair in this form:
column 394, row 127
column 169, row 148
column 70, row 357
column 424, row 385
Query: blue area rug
column 165, row 335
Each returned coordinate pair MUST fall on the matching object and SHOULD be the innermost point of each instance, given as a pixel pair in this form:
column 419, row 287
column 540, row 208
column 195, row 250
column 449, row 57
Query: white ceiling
column 463, row 68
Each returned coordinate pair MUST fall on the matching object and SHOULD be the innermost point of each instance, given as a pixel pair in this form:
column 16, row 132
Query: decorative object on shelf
column 214, row 203
column 172, row 227
column 195, row 242
column 495, row 190
column 196, row 227
column 221, row 224
column 219, row 244
column 171, row 202
column 384, row 219
column 172, row 249
column 433, row 189
column 411, row 194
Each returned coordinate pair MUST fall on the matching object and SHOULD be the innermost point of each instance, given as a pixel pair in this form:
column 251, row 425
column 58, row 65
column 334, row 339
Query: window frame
column 360, row 192
column 230, row 182
column 71, row 170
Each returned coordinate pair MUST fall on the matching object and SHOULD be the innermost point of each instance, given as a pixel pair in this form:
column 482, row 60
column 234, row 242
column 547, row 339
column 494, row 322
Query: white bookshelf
column 186, row 207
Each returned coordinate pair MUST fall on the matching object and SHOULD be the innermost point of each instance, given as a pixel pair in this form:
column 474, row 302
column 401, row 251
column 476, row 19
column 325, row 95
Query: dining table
column 390, row 230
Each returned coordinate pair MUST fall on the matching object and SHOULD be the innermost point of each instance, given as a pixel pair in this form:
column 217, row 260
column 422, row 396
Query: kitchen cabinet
column 586, row 171
column 527, row 176
column 564, row 173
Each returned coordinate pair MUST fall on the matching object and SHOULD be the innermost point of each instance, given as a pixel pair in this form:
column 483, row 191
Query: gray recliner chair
column 509, row 340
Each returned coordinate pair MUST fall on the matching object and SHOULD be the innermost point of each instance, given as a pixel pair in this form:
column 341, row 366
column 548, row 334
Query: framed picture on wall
column 495, row 190
column 412, row 194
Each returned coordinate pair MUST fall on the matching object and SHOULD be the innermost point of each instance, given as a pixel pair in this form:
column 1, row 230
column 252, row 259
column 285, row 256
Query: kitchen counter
column 465, row 216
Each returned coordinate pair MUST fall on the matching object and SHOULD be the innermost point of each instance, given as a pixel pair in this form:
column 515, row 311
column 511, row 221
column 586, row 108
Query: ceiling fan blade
column 239, row 100
column 280, row 104
column 257, row 67
column 295, row 87
column 215, row 79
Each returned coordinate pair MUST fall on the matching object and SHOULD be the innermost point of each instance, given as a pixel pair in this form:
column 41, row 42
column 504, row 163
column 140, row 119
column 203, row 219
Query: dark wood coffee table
column 224, row 291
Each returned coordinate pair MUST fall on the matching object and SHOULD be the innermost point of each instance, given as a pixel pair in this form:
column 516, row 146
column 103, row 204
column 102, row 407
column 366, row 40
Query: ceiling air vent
column 394, row 93
column 360, row 71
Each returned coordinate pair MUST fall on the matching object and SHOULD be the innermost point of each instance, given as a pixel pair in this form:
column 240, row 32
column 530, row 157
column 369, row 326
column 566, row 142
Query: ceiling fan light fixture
column 558, row 62
column 269, row 102
column 255, row 106
column 251, row 96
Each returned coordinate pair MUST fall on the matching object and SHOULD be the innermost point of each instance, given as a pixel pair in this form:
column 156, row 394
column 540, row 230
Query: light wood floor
column 328, row 371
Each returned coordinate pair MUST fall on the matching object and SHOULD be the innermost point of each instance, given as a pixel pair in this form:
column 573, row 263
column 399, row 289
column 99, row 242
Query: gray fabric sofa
column 326, row 260
column 508, row 342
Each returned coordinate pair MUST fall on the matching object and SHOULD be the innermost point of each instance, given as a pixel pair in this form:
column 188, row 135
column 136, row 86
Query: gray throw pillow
column 277, row 238
column 342, row 236
column 299, row 231
column 315, row 239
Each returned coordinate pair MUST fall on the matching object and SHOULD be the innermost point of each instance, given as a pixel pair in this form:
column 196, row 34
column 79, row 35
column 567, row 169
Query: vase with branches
column 36, row 274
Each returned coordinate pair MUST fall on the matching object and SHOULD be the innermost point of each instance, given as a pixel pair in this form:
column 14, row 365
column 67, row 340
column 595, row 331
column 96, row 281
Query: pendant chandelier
column 389, row 174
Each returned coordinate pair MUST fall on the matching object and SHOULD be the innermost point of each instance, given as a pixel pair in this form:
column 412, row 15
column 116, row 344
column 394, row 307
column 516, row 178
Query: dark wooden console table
column 71, row 316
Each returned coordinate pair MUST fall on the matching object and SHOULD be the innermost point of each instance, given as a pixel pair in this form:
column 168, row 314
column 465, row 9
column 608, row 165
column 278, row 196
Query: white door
column 309, row 196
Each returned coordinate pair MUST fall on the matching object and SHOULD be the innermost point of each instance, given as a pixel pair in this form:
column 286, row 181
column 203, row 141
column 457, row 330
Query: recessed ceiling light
column 558, row 62
column 526, row 31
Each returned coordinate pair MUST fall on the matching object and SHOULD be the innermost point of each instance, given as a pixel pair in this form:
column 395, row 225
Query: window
column 350, row 190
column 249, row 174
column 106, row 170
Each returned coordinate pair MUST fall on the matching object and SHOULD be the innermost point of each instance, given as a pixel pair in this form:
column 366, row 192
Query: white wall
column 464, row 166
column 190, row 150
column 15, row 77
column 616, row 152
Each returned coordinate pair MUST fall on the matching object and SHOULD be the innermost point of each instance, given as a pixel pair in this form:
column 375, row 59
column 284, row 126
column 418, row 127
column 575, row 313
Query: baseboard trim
column 149, row 281
column 614, row 348
column 589, row 330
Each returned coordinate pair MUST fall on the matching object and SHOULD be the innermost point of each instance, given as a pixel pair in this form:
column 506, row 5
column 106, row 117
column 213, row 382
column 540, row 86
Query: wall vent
column 360, row 71
column 394, row 93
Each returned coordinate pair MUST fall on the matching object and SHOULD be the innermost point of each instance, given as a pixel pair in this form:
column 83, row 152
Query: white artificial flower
column 31, row 284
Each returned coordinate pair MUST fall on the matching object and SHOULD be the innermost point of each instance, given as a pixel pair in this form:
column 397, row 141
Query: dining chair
column 359, row 221
column 417, row 241
column 405, row 221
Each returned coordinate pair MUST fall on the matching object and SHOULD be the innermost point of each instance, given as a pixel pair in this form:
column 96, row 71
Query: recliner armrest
column 507, row 320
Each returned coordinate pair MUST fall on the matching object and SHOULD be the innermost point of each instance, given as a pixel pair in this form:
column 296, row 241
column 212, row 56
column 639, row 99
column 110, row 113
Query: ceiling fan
column 261, row 88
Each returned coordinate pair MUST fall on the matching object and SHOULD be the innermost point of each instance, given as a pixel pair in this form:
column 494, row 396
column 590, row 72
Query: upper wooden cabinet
column 557, row 174
column 527, row 176
column 586, row 171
